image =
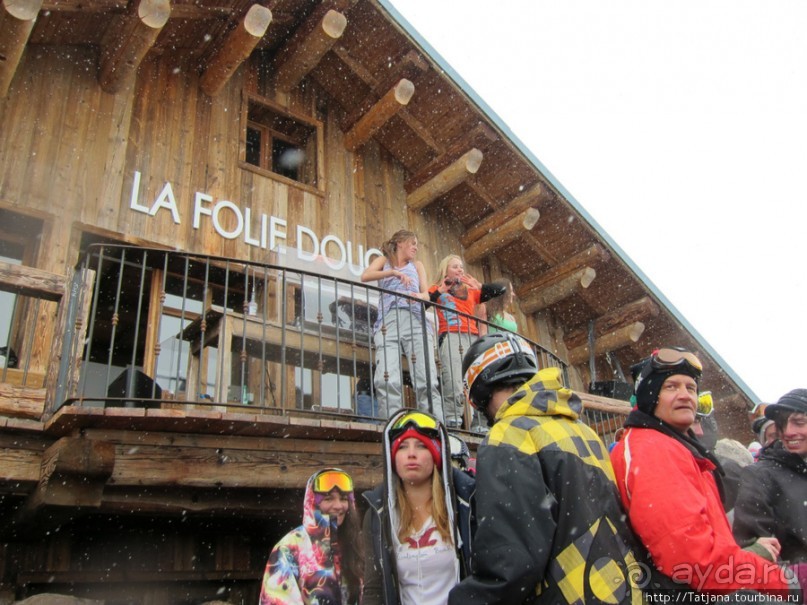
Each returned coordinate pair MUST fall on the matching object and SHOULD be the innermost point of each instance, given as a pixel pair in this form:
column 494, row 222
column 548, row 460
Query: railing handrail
column 275, row 337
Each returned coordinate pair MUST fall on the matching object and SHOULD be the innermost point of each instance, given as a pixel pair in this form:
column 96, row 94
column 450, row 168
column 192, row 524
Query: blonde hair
column 390, row 247
column 439, row 511
column 442, row 268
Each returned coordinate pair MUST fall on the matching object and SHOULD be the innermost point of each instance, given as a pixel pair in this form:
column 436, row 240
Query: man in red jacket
column 668, row 486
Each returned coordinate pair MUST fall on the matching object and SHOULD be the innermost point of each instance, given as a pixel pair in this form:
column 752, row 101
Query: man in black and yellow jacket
column 550, row 527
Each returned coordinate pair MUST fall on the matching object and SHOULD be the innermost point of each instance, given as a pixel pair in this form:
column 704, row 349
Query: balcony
column 166, row 334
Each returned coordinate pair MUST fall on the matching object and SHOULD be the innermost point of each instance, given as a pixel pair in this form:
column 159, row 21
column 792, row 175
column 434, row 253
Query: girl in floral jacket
column 320, row 562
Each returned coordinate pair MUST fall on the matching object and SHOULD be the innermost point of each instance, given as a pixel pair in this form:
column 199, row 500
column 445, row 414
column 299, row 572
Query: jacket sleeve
column 373, row 593
column 669, row 510
column 281, row 582
column 515, row 524
column 753, row 511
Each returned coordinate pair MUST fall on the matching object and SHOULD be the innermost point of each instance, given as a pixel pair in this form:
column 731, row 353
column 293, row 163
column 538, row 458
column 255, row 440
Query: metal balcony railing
column 155, row 328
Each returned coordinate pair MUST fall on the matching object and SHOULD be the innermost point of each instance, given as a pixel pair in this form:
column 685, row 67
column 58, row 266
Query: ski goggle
column 422, row 423
column 668, row 359
column 706, row 404
column 330, row 479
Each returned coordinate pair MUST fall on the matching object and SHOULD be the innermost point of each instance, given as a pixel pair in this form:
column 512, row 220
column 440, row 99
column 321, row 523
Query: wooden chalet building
column 188, row 192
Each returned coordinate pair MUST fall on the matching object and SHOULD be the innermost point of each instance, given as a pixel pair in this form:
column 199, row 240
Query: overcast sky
column 681, row 128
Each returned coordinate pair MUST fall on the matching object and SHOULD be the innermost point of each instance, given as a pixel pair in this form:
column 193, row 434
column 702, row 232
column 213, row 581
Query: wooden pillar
column 558, row 290
column 379, row 114
column 609, row 342
column 124, row 49
column 502, row 235
column 306, row 47
column 17, row 18
column 237, row 47
column 445, row 181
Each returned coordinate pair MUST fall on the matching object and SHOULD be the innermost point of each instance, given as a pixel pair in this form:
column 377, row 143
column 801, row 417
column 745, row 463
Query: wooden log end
column 154, row 13
column 531, row 216
column 334, row 24
column 404, row 90
column 24, row 10
column 636, row 331
column 257, row 20
column 473, row 160
column 589, row 273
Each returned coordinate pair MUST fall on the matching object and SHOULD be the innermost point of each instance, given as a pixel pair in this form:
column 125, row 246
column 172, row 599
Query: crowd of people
column 546, row 513
column 549, row 515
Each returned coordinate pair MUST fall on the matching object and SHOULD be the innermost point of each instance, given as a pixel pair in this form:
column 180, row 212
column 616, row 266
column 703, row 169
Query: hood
column 391, row 478
column 316, row 524
column 543, row 395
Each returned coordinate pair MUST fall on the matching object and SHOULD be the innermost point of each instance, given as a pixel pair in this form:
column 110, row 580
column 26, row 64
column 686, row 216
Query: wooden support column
column 445, row 181
column 306, row 47
column 17, row 18
column 558, row 290
column 529, row 199
column 638, row 310
column 74, row 473
column 612, row 341
column 501, row 236
column 589, row 257
column 236, row 49
column 125, row 46
column 379, row 114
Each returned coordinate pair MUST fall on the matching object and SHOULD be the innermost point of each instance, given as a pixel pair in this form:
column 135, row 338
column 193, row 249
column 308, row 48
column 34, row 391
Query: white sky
column 681, row 128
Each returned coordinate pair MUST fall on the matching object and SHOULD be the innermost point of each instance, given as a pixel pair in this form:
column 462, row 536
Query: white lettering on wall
column 262, row 231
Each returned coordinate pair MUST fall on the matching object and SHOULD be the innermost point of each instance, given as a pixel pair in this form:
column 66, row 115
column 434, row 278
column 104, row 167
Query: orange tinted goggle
column 667, row 359
column 327, row 480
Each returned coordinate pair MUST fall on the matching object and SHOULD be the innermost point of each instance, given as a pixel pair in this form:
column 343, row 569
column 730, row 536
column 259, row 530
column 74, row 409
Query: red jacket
column 674, row 507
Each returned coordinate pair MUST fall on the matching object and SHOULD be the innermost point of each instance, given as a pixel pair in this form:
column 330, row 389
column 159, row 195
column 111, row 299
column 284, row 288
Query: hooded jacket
column 550, row 529
column 773, row 502
column 304, row 567
column 380, row 570
column 669, row 489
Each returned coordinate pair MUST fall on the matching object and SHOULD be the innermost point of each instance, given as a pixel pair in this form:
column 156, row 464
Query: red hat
column 431, row 444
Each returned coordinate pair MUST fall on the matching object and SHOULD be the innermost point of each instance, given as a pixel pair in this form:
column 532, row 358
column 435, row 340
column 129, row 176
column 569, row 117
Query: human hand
column 472, row 282
column 405, row 279
column 771, row 545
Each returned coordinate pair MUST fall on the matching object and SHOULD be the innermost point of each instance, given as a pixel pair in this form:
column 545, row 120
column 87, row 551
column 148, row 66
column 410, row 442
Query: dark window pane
column 287, row 159
column 253, row 146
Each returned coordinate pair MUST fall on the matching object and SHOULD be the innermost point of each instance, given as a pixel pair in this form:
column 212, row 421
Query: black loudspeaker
column 611, row 388
column 137, row 385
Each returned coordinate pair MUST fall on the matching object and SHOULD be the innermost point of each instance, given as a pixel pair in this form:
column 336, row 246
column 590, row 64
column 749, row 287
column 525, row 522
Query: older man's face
column 678, row 401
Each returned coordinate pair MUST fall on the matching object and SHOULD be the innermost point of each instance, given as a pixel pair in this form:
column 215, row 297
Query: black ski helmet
column 494, row 361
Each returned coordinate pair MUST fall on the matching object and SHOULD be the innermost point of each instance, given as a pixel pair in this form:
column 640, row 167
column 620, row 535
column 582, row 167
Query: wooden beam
column 410, row 67
column 33, row 282
column 379, row 114
column 590, row 257
column 441, row 183
column 529, row 199
column 540, row 248
column 125, row 48
column 236, row 49
column 306, row 47
column 17, row 18
column 74, row 473
column 20, row 401
column 638, row 310
column 612, row 341
column 501, row 236
column 480, row 137
column 558, row 290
